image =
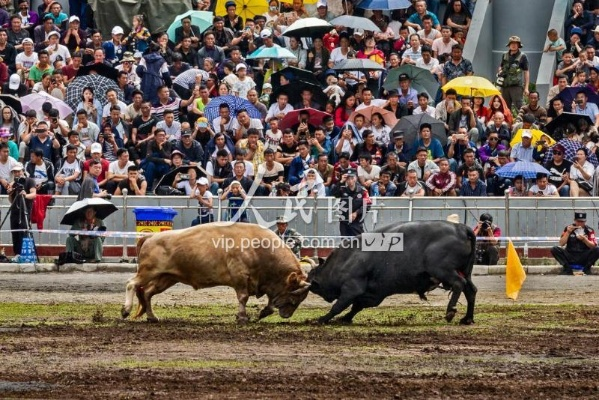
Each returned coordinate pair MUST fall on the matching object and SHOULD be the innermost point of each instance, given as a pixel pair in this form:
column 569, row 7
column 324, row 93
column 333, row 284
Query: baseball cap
column 282, row 220
column 403, row 77
column 526, row 134
column 351, row 172
column 53, row 33
column 96, row 148
column 117, row 30
column 27, row 40
column 74, row 18
column 177, row 152
column 14, row 82
column 266, row 86
column 359, row 32
column 202, row 181
column 17, row 167
column 576, row 30
column 230, row 4
column 186, row 132
column 321, row 3
column 235, row 183
column 398, row 134
column 579, row 216
column 240, row 66
column 265, row 33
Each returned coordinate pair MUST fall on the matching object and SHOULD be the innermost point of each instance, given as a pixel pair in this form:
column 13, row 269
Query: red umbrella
column 292, row 118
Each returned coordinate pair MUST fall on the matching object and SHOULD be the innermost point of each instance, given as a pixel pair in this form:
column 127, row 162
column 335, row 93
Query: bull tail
column 140, row 243
column 470, row 266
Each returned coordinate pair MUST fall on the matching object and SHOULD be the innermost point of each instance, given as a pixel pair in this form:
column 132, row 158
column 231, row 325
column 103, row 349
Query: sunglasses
column 493, row 139
column 558, row 153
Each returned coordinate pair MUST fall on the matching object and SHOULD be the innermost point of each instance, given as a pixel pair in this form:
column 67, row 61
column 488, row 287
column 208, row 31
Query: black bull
column 434, row 253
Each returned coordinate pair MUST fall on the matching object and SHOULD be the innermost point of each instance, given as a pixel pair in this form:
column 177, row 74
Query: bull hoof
column 265, row 312
column 124, row 313
column 450, row 315
column 345, row 321
column 242, row 320
column 322, row 321
column 152, row 320
column 466, row 321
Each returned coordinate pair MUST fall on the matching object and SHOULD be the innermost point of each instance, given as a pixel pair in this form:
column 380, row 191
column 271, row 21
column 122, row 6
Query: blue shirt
column 411, row 96
column 235, row 203
column 479, row 190
column 435, row 149
column 415, row 19
column 591, row 110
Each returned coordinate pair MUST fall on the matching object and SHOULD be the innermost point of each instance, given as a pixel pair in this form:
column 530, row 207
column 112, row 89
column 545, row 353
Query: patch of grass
column 185, row 364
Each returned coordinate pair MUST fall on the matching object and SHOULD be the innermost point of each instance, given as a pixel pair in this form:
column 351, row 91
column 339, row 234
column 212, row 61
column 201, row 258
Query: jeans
column 564, row 191
column 153, row 170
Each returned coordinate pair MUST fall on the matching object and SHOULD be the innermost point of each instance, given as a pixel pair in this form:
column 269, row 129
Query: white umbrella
column 349, row 21
column 77, row 210
column 273, row 52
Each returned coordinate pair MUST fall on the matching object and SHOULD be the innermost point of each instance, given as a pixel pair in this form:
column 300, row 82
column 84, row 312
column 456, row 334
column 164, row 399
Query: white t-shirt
column 26, row 61
column 337, row 56
column 106, row 109
column 61, row 51
column 263, row 172
column 114, row 168
column 432, row 66
column 242, row 87
column 272, row 140
column 40, row 175
column 550, row 190
column 373, row 175
column 6, row 168
column 441, row 47
column 249, row 168
column 69, row 169
column 185, row 185
column 173, row 132
column 232, row 125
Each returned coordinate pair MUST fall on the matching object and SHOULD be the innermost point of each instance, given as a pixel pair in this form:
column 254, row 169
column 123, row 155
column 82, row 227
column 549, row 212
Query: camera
column 579, row 102
column 486, row 225
column 311, row 135
column 304, row 120
column 184, row 177
column 19, row 184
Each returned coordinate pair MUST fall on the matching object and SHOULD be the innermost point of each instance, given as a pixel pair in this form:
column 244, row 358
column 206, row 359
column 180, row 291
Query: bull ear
column 293, row 280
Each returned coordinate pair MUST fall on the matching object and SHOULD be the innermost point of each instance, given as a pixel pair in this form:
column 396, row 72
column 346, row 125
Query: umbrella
column 292, row 118
column 273, row 52
column 308, row 27
column 528, row 170
column 568, row 95
column 34, row 101
column 388, row 116
column 349, row 21
column 422, row 79
column 98, row 83
column 536, row 136
column 294, row 92
column 384, row 4
column 564, row 119
column 358, row 64
column 168, row 178
column 295, row 74
column 201, row 19
column 245, row 8
column 472, row 85
column 411, row 127
column 77, row 210
column 235, row 104
column 305, row 1
column 99, row 69
column 13, row 102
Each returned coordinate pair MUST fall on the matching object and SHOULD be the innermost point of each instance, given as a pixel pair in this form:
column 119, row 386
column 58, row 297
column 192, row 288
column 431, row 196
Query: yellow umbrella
column 245, row 8
column 476, row 86
column 537, row 136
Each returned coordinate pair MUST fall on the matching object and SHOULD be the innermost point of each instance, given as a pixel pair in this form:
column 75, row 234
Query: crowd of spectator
column 154, row 131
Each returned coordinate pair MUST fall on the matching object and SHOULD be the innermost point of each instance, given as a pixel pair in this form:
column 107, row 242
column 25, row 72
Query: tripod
column 23, row 215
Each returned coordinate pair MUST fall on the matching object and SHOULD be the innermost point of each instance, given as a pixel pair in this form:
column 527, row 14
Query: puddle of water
column 7, row 386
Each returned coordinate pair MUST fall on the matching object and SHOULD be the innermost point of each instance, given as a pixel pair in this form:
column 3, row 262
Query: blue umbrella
column 201, row 19
column 275, row 51
column 384, row 4
column 528, row 170
column 568, row 95
column 235, row 104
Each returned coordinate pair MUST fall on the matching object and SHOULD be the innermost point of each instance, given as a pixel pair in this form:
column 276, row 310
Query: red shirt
column 105, row 163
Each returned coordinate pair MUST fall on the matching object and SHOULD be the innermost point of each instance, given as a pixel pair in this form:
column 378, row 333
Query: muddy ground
column 61, row 338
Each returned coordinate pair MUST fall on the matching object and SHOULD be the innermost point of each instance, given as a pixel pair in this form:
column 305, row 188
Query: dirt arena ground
column 61, row 338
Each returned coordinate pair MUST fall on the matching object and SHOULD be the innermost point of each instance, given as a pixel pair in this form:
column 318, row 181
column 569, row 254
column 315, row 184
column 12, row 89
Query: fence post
column 125, row 257
column 507, row 213
column 315, row 225
column 410, row 210
column 219, row 192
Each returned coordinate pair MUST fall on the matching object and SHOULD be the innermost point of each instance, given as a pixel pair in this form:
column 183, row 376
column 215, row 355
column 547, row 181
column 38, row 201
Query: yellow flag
column 514, row 273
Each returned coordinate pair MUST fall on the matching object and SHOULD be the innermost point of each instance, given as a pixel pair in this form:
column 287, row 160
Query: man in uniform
column 288, row 235
column 513, row 74
column 354, row 202
column 580, row 246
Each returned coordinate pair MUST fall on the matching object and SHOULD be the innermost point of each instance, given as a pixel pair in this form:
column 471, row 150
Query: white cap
column 54, row 33
column 117, row 30
column 202, row 181
column 17, row 167
column 359, row 32
column 27, row 40
column 265, row 33
column 74, row 18
column 14, row 82
column 96, row 148
column 321, row 3
column 526, row 133
column 240, row 66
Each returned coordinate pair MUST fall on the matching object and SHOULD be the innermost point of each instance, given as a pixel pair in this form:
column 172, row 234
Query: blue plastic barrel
column 154, row 219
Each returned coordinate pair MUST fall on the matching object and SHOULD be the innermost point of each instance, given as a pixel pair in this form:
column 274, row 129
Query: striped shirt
column 173, row 104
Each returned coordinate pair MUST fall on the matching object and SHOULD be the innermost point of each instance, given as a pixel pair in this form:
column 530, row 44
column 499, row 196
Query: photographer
column 89, row 246
column 577, row 246
column 186, row 182
column 21, row 193
column 487, row 250
column 303, row 129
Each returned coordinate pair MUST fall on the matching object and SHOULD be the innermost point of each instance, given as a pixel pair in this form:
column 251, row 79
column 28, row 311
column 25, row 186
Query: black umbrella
column 293, row 74
column 12, row 102
column 308, row 27
column 98, row 83
column 411, row 127
column 77, row 210
column 564, row 119
column 294, row 92
column 169, row 177
column 99, row 69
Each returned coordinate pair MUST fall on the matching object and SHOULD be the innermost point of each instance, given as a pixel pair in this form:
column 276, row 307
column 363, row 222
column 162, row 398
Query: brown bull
column 250, row 259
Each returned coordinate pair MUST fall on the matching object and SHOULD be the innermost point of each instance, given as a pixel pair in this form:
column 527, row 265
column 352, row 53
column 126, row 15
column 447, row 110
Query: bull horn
column 303, row 289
